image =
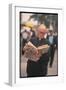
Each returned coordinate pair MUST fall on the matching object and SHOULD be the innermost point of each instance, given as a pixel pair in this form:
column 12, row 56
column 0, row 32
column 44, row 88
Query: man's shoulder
column 47, row 41
column 33, row 38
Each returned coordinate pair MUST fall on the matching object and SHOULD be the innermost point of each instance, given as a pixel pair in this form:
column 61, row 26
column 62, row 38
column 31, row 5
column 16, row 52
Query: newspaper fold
column 34, row 53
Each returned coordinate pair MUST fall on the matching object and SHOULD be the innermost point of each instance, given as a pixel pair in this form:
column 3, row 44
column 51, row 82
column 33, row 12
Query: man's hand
column 37, row 55
column 31, row 53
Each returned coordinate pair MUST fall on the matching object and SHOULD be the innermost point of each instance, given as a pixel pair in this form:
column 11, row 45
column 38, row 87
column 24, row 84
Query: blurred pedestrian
column 52, row 44
column 26, row 34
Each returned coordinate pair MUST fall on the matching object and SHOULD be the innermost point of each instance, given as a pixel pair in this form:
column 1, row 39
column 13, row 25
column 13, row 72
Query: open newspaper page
column 43, row 49
column 30, row 51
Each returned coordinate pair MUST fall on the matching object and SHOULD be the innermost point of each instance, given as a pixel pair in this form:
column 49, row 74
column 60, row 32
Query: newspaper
column 34, row 53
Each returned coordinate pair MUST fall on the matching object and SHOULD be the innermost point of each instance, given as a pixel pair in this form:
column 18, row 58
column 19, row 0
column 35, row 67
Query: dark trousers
column 37, row 69
column 52, row 51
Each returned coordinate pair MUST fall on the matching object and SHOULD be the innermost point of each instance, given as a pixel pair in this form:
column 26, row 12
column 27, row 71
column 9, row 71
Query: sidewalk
column 54, row 69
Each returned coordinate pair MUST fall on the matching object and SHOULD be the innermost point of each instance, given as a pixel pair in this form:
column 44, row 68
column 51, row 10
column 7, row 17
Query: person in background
column 56, row 39
column 31, row 26
column 52, row 43
column 26, row 34
column 39, row 67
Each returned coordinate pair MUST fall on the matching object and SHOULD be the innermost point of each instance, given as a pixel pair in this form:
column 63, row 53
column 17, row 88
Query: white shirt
column 51, row 39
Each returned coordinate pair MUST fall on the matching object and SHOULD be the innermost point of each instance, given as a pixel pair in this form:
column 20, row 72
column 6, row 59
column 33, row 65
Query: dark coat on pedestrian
column 53, row 45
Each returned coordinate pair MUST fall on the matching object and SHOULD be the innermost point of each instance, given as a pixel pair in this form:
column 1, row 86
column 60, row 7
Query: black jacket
column 38, row 68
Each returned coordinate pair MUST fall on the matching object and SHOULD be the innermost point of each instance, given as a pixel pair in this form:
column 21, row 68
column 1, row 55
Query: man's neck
column 40, row 38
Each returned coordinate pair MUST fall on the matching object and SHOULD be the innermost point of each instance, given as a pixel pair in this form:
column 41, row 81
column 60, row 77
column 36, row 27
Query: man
column 39, row 67
column 52, row 43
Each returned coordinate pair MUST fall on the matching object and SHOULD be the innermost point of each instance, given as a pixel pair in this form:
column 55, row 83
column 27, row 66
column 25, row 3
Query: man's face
column 41, row 33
